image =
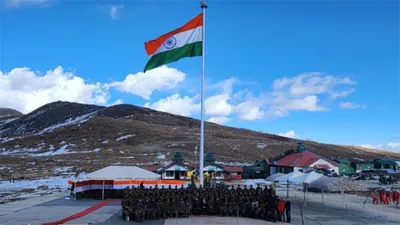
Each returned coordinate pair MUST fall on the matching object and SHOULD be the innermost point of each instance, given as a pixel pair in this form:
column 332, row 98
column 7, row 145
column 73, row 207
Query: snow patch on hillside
column 261, row 145
column 160, row 156
column 35, row 152
column 233, row 163
column 4, row 121
column 61, row 151
column 125, row 137
column 63, row 169
column 7, row 139
column 18, row 151
column 70, row 121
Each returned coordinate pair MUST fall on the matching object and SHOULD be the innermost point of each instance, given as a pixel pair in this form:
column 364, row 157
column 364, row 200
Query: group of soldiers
column 141, row 203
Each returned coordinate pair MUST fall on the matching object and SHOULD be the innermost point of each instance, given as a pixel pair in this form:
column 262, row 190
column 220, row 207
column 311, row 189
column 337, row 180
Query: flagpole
column 203, row 6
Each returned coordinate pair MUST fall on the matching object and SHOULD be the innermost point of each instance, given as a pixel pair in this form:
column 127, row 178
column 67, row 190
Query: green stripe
column 189, row 50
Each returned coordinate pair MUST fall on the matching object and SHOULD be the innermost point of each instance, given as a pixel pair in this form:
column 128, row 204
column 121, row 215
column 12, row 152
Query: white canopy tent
column 283, row 179
column 306, row 178
column 121, row 173
column 256, row 182
column 114, row 173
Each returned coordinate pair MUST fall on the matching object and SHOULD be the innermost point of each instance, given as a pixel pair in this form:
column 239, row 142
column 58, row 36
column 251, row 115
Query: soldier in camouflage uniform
column 155, row 203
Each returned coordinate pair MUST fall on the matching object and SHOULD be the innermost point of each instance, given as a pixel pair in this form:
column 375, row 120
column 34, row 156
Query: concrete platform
column 196, row 220
column 219, row 220
column 99, row 215
column 12, row 207
column 52, row 208
column 38, row 215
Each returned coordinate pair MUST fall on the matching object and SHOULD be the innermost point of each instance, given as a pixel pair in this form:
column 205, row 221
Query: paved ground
column 197, row 220
column 16, row 206
column 329, row 209
column 333, row 209
column 100, row 215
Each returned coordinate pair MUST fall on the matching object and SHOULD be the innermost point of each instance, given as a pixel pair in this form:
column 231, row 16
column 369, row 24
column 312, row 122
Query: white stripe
column 183, row 38
column 121, row 186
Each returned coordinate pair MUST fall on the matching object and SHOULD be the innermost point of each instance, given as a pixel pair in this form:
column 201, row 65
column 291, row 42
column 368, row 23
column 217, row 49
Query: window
column 169, row 174
column 219, row 174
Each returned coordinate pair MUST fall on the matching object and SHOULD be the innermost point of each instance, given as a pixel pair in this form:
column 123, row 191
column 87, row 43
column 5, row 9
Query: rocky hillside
column 7, row 115
column 86, row 137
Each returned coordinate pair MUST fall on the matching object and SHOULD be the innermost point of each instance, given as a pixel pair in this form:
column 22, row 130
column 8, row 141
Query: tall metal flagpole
column 203, row 5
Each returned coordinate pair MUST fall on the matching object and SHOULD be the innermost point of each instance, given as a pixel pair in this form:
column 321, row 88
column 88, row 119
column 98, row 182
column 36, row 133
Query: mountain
column 7, row 115
column 63, row 136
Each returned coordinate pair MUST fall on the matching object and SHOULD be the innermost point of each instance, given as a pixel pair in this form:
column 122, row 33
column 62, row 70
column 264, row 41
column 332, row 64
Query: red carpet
column 79, row 214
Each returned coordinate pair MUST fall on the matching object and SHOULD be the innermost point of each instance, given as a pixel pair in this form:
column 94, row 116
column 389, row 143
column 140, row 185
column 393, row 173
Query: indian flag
column 185, row 41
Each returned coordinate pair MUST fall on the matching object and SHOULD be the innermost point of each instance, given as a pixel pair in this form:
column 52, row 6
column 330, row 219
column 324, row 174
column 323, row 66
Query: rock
column 43, row 187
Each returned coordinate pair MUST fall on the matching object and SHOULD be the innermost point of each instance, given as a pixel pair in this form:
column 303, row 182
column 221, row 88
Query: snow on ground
column 160, row 156
column 125, row 137
column 261, row 145
column 105, row 142
column 63, row 169
column 22, row 189
column 4, row 168
column 34, row 152
column 233, row 163
column 50, row 182
column 70, row 121
column 5, row 140
column 61, row 151
column 21, row 151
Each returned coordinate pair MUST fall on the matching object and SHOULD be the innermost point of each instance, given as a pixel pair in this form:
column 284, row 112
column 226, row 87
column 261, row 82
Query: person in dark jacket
column 72, row 194
column 288, row 206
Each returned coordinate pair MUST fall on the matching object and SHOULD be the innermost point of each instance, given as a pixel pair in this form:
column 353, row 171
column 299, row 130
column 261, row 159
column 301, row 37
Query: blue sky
column 321, row 70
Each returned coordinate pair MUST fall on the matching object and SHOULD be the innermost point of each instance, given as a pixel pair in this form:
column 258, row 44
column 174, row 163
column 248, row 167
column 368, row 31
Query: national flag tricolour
column 185, row 41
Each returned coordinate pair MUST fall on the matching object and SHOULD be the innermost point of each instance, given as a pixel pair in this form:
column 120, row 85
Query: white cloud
column 226, row 85
column 218, row 105
column 310, row 83
column 289, row 134
column 351, row 105
column 219, row 120
column 249, row 110
column 143, row 84
column 21, row 3
column 308, row 103
column 184, row 106
column 115, row 11
column 345, row 93
column 25, row 90
column 298, row 93
column 303, row 92
column 117, row 102
column 392, row 146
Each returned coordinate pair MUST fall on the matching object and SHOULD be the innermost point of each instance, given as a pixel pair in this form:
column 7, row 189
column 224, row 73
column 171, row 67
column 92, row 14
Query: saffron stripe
column 183, row 38
column 152, row 46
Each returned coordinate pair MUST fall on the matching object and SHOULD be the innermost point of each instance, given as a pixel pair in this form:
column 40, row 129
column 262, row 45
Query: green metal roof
column 386, row 161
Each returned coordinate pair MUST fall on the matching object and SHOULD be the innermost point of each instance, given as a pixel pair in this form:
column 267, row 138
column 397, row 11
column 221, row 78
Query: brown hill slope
column 7, row 115
column 88, row 137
